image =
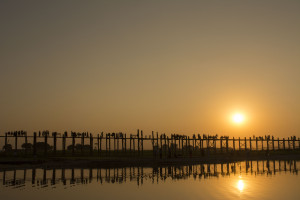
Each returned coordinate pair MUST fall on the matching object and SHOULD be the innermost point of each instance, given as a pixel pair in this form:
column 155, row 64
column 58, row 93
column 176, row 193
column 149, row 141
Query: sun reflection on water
column 240, row 185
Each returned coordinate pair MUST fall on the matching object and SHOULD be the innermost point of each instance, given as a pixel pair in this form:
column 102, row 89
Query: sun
column 238, row 118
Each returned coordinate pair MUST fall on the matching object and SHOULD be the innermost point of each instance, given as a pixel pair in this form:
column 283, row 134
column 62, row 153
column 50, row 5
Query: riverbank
column 116, row 162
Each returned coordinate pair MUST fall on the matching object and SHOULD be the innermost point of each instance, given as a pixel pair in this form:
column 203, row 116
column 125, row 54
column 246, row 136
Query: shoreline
column 117, row 162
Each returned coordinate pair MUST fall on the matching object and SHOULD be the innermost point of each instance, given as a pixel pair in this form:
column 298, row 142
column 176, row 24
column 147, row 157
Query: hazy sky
column 168, row 66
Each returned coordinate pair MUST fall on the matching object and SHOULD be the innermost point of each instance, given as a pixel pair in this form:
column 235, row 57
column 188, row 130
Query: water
column 240, row 180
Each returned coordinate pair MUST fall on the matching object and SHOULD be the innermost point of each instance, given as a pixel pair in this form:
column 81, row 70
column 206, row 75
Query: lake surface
column 240, row 180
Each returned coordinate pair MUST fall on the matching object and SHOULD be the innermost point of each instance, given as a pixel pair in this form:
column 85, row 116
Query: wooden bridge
column 120, row 144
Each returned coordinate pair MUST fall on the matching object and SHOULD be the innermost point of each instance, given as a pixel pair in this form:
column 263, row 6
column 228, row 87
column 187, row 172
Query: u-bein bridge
column 135, row 145
column 45, row 177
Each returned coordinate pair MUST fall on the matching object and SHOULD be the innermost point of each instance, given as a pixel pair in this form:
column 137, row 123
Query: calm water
column 241, row 180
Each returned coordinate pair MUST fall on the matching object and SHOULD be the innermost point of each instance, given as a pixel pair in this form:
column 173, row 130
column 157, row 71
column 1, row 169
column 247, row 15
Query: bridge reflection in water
column 46, row 177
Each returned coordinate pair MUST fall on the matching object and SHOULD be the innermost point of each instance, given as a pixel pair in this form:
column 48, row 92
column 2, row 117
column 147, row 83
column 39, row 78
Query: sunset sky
column 168, row 66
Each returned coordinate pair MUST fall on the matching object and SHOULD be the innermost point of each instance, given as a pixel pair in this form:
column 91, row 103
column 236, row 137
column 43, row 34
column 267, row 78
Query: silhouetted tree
column 7, row 147
column 40, row 146
column 77, row 147
column 69, row 148
column 84, row 147
column 27, row 146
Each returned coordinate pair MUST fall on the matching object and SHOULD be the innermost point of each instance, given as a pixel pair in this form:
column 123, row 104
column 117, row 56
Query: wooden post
column 168, row 146
column 289, row 145
column 46, row 142
column 250, row 143
column 138, row 140
column 273, row 143
column 91, row 144
column 130, row 148
column 125, row 140
column 233, row 141
column 267, row 144
column 189, row 146
column 165, row 138
column 73, row 143
column 262, row 144
column 122, row 143
column 182, row 138
column 64, row 143
column 5, row 141
column 256, row 144
column 152, row 142
column 114, row 143
column 194, row 142
column 82, row 143
column 142, row 142
column 118, row 135
column 157, row 146
column 72, row 176
column 53, row 176
column 16, row 142
column 106, row 146
column 157, row 139
column 294, row 146
column 239, row 143
column 54, row 143
column 4, row 179
column 171, row 143
column 175, row 145
column 283, row 142
column 63, row 175
column 200, row 142
column 245, row 144
column 26, row 142
column 178, row 142
column 98, row 144
column 186, row 145
column 221, row 145
column 226, row 144
column 108, row 143
column 34, row 143
column 161, row 143
column 33, row 176
column 133, row 143
column 215, row 144
column 278, row 144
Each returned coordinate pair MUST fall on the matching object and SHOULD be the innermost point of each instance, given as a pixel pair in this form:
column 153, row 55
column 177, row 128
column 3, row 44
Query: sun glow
column 238, row 118
column 240, row 185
